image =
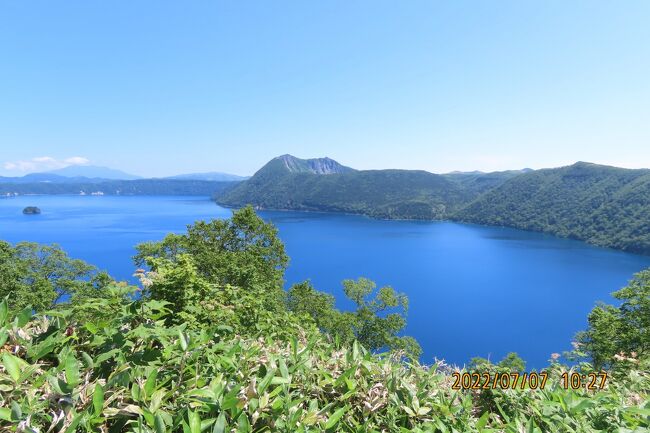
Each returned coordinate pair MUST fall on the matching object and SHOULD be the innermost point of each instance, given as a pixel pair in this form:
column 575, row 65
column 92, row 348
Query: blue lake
column 473, row 290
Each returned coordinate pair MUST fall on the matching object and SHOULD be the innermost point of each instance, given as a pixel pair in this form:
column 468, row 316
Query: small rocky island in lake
column 31, row 210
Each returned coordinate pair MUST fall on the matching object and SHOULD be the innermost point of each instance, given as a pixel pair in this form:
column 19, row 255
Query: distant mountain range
column 95, row 174
column 103, row 180
column 72, row 174
column 603, row 205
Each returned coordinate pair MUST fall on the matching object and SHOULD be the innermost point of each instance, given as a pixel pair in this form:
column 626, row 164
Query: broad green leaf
column 71, row 370
column 150, row 384
column 156, row 400
column 334, row 418
column 220, row 424
column 4, row 312
column 98, row 399
column 482, row 421
column 194, row 421
column 266, row 381
column 182, row 340
column 87, row 360
column 159, row 424
column 5, row 413
column 91, row 327
column 106, row 355
column 148, row 417
column 12, row 365
column 243, row 425
column 639, row 411
column 279, row 381
column 73, row 425
column 16, row 411
column 283, row 368
column 23, row 317
column 42, row 349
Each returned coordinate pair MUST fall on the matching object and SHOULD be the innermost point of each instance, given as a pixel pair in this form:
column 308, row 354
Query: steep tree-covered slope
column 603, row 205
column 379, row 193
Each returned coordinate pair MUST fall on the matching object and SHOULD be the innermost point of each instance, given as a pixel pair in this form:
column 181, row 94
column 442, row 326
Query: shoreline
column 450, row 220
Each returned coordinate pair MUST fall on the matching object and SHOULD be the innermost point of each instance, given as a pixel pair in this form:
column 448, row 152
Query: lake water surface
column 473, row 290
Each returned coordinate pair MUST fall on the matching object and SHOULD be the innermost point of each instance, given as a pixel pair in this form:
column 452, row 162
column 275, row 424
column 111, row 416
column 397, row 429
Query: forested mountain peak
column 314, row 165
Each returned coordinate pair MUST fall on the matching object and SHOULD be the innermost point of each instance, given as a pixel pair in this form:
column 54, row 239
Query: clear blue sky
column 164, row 87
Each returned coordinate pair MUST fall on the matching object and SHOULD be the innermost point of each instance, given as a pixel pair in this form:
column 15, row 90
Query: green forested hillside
column 209, row 342
column 603, row 205
column 377, row 193
column 606, row 206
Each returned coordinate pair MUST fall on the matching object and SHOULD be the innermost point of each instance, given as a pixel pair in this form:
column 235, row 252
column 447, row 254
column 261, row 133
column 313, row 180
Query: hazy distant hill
column 35, row 177
column 93, row 172
column 215, row 176
column 603, row 205
column 287, row 182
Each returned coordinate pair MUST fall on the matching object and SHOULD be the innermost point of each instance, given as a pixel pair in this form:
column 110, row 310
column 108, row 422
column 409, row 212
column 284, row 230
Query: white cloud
column 44, row 159
column 76, row 160
column 44, row 163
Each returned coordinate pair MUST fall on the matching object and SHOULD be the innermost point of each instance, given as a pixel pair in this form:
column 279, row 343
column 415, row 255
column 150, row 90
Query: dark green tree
column 40, row 276
column 304, row 300
column 620, row 332
column 513, row 362
column 478, row 363
column 379, row 319
column 243, row 251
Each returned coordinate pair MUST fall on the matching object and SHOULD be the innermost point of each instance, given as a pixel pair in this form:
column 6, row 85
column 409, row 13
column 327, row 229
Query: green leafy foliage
column 305, row 301
column 379, row 318
column 243, row 251
column 620, row 335
column 39, row 276
column 375, row 324
column 513, row 362
column 137, row 373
